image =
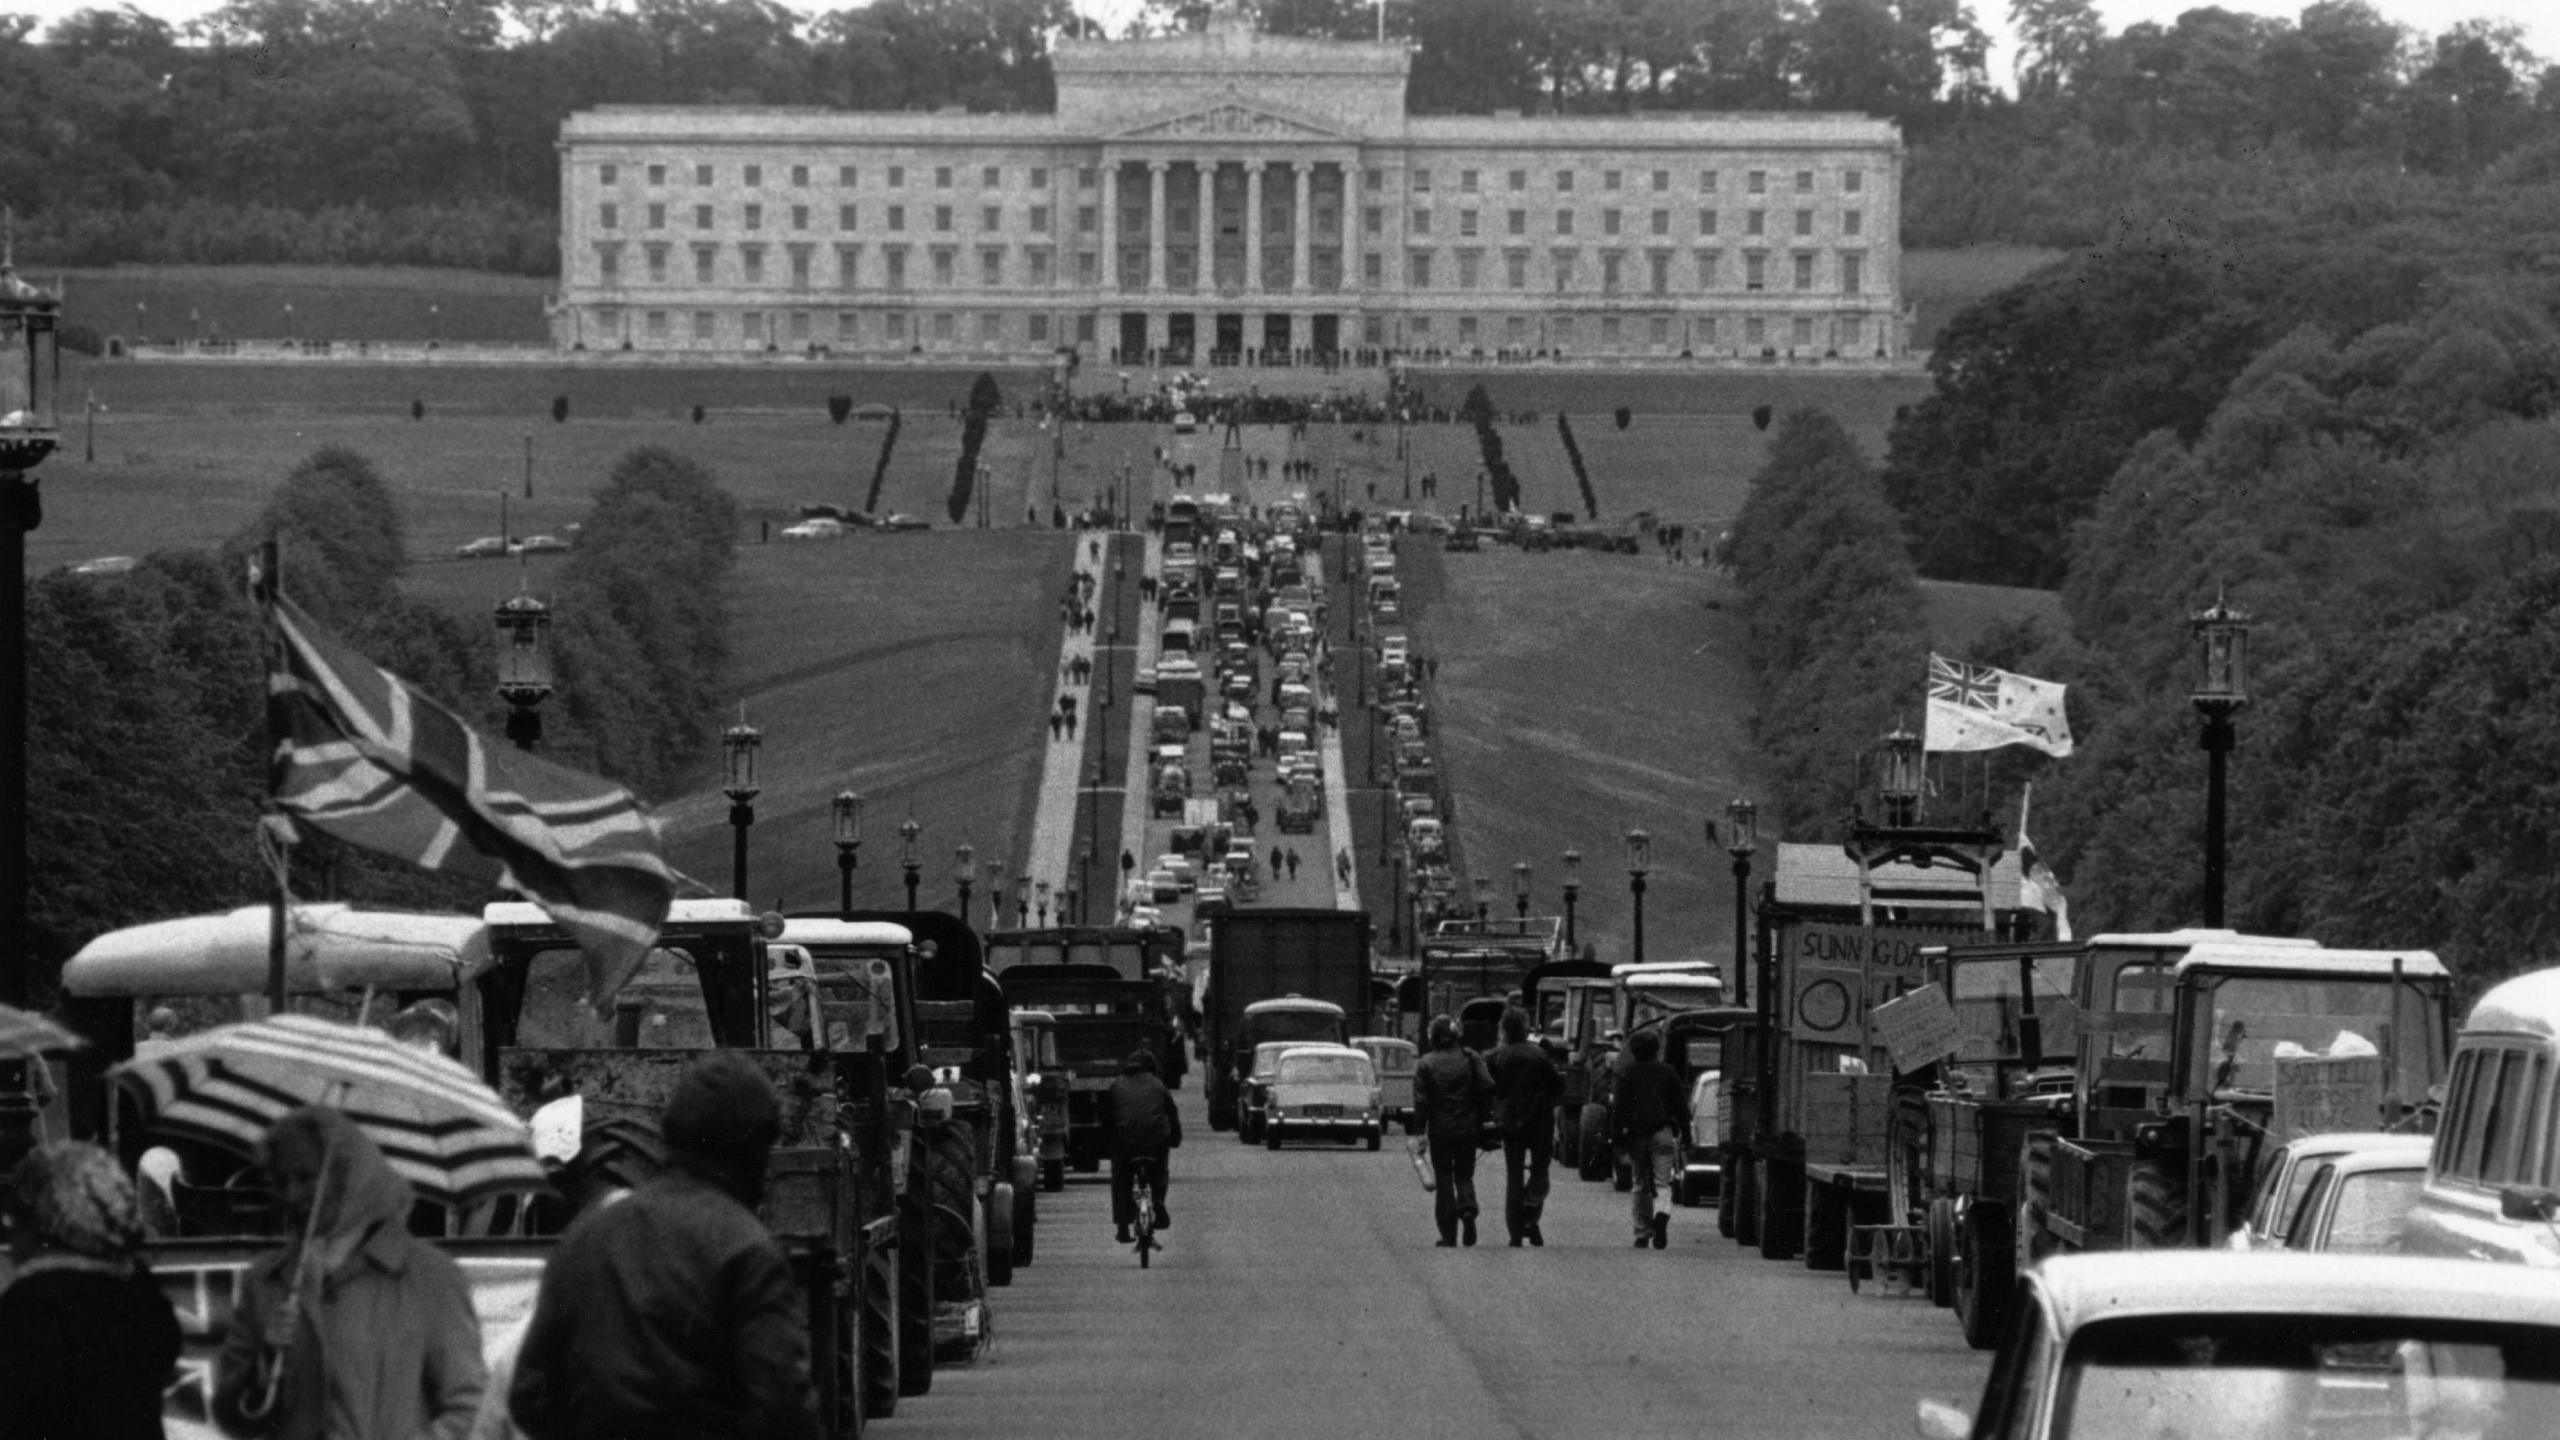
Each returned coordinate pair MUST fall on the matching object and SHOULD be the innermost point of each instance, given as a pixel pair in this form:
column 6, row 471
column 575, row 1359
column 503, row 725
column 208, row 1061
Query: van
column 1394, row 1059
column 2492, row 1190
column 1177, row 638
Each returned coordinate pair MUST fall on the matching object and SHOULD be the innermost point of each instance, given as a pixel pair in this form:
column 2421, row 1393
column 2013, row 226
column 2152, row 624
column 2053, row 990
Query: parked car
column 483, row 548
column 543, row 545
column 901, row 520
column 1179, row 866
column 1163, row 886
column 818, row 529
column 2357, row 1203
column 107, row 565
column 1323, row 1090
column 2281, row 1183
column 2241, row 1346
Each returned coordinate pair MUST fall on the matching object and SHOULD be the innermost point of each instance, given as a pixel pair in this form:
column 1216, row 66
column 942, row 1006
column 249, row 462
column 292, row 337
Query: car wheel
column 1053, row 1175
column 1376, row 1137
column 1271, row 1136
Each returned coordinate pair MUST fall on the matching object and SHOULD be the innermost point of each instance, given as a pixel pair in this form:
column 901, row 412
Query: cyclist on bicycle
column 1145, row 1126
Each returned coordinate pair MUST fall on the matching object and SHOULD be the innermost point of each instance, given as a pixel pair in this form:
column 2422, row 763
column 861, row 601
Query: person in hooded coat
column 356, row 1327
column 1145, row 1125
column 87, row 1341
column 672, row 1314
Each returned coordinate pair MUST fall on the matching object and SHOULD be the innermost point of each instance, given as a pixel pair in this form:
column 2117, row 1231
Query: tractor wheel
column 1595, row 1142
column 879, row 1326
column 1271, row 1135
column 953, row 1168
column 1725, row 1196
column 2035, row 1197
column 1053, row 1175
column 1000, row 1235
column 1744, row 1181
column 1622, row 1172
column 1826, row 1227
column 1781, row 1210
column 1568, row 1149
column 2156, row 1207
column 1986, row 1268
column 1376, row 1137
column 915, row 1295
column 1942, row 1251
column 1026, row 1222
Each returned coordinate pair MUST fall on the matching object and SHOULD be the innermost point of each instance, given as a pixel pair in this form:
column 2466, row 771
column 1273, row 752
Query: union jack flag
column 1982, row 707
column 362, row 756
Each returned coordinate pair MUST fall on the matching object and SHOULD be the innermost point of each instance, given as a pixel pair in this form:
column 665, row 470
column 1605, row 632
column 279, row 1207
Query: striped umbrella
column 443, row 1130
column 25, row 1035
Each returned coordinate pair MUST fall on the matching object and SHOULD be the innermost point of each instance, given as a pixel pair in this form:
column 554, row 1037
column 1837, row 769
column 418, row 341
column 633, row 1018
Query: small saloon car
column 1325, row 1092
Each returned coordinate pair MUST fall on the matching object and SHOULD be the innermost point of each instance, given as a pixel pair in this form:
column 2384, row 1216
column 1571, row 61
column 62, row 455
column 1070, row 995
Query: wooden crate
column 2090, row 1179
column 1845, row 1118
column 809, row 1194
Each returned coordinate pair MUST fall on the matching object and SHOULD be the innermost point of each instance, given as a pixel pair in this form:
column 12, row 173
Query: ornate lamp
column 741, row 741
column 847, row 813
column 1901, row 776
column 2222, row 689
column 1639, row 864
column 964, row 869
column 1741, row 839
column 908, row 860
column 1572, row 893
column 524, row 666
column 1520, row 887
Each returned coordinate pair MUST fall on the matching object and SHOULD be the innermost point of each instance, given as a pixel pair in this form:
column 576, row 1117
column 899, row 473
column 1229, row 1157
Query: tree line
column 423, row 131
column 2365, row 460
column 147, row 741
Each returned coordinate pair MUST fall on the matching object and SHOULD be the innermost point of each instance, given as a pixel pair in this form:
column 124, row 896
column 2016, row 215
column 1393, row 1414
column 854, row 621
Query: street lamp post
column 30, row 428
column 1395, row 904
column 995, row 894
column 1742, row 837
column 1042, row 889
column 964, row 868
column 1639, row 863
column 528, row 464
column 908, row 860
column 741, row 741
column 847, row 811
column 1022, row 902
column 524, row 666
column 2222, row 688
column 1483, row 887
column 1520, row 887
column 1572, row 892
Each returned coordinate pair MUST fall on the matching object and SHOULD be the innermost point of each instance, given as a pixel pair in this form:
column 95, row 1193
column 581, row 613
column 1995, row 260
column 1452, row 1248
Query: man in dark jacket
column 1648, row 1113
column 671, row 1314
column 1145, row 1125
column 1450, row 1093
column 1525, row 1089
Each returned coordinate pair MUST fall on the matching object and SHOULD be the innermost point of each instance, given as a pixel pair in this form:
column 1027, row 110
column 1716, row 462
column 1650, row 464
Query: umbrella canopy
column 24, row 1035
column 443, row 1130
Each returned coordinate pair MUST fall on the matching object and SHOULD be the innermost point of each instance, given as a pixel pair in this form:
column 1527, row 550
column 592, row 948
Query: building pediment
column 1230, row 120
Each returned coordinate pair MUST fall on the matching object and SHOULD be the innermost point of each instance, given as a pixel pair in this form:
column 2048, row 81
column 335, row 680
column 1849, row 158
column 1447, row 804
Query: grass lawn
column 1579, row 695
column 1940, row 283
column 915, row 669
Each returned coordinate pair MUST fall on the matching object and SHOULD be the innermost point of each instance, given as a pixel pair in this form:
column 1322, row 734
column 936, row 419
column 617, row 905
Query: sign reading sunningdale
column 1841, row 973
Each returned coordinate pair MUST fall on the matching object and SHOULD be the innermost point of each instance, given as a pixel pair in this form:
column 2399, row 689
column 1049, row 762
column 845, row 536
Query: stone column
column 1252, row 234
column 1155, row 222
column 1350, row 223
column 1302, row 231
column 1206, row 271
column 1111, row 229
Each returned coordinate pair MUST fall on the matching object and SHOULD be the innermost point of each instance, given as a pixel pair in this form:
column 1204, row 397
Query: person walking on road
column 1293, row 862
column 355, row 1327
column 1450, row 1092
column 1145, row 1125
column 1525, row 1088
column 1275, row 864
column 1342, row 865
column 673, row 1311
column 1648, row 1112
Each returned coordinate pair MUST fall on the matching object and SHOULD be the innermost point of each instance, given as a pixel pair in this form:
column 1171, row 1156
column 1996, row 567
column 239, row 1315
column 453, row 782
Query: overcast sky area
column 2536, row 18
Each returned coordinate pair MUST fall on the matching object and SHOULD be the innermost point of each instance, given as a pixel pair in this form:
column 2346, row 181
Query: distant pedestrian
column 1526, row 1087
column 673, row 1311
column 90, row 1340
column 1450, row 1091
column 1057, row 725
column 355, row 1327
column 1275, row 862
column 1070, row 717
column 1342, row 865
column 1293, row 862
column 1647, row 1113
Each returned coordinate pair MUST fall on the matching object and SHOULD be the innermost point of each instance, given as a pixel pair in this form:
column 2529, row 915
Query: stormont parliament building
column 1226, row 196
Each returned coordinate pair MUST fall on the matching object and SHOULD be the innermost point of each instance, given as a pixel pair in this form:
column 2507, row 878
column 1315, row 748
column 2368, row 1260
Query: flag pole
column 275, row 829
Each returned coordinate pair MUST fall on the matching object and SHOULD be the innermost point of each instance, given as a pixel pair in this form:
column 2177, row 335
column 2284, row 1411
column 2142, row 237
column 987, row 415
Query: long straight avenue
column 1300, row 1295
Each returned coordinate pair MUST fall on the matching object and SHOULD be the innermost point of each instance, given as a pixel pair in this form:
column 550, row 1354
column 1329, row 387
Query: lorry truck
column 1805, row 1092
column 1257, row 954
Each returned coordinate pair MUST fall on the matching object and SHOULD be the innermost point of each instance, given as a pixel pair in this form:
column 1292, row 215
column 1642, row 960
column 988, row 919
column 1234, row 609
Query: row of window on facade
column 1660, row 333
column 1468, row 222
column 1564, row 272
column 1851, row 181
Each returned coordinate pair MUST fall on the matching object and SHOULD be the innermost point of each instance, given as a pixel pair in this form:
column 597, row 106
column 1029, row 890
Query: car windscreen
column 1295, row 1025
column 2365, row 1220
column 1324, row 1070
column 2248, row 1376
column 2254, row 1017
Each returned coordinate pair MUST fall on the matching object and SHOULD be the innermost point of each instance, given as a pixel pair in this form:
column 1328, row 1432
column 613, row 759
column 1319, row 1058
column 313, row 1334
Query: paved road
column 1300, row 1296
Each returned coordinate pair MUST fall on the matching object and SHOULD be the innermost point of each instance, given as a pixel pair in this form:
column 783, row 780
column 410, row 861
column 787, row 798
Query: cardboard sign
column 1918, row 1029
column 1829, row 1004
column 2317, row 1094
column 1842, row 973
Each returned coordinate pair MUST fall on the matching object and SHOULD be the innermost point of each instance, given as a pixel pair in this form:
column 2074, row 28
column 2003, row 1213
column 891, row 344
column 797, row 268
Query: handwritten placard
column 1918, row 1028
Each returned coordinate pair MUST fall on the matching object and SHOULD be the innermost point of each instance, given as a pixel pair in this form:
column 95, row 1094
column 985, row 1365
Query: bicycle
column 1142, row 1188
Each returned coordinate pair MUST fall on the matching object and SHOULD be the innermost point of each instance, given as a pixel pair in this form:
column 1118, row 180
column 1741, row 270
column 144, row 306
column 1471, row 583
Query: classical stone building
column 1224, row 193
